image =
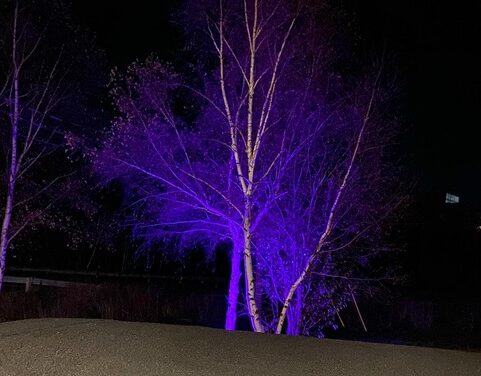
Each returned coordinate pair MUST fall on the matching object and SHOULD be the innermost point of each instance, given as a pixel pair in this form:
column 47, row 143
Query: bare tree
column 226, row 186
column 276, row 140
column 30, row 91
column 248, row 131
column 345, row 193
column 279, row 118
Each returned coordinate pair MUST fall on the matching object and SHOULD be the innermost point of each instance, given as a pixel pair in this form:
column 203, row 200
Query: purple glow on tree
column 180, row 175
column 283, row 157
column 316, row 165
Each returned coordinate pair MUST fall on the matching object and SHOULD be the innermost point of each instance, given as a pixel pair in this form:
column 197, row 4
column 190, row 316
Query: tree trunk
column 235, row 275
column 294, row 316
column 249, row 280
column 13, row 162
column 4, row 234
column 7, row 216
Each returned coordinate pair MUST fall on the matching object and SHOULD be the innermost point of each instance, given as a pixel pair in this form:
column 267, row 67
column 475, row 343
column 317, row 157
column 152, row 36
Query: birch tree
column 331, row 128
column 248, row 115
column 30, row 91
column 277, row 131
column 345, row 200
column 222, row 182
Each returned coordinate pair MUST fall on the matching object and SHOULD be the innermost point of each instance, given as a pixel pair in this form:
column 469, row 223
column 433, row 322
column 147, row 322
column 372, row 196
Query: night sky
column 437, row 48
column 434, row 43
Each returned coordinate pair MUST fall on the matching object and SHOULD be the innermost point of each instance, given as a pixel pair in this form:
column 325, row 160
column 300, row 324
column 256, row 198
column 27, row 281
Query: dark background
column 434, row 43
column 435, row 46
column 432, row 48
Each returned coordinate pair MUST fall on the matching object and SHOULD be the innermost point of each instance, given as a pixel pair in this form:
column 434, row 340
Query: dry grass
column 114, row 302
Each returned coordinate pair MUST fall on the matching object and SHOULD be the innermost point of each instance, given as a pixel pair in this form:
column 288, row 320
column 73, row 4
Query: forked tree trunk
column 332, row 212
column 249, row 138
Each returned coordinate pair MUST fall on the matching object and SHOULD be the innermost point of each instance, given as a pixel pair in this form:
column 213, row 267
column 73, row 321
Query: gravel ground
column 100, row 347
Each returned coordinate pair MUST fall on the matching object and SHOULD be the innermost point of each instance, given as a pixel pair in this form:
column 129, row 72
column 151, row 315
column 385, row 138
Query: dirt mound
column 100, row 347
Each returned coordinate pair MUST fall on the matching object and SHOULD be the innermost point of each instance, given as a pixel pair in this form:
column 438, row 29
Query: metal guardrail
column 75, row 273
column 29, row 280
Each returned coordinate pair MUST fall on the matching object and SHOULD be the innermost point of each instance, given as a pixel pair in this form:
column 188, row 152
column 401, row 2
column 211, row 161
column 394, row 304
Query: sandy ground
column 97, row 347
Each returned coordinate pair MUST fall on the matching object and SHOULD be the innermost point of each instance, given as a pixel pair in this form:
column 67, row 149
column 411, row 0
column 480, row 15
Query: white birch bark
column 28, row 109
column 332, row 212
column 12, row 163
column 255, row 131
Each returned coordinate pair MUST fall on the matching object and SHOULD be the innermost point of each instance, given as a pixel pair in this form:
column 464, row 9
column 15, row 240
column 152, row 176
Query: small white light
column 451, row 199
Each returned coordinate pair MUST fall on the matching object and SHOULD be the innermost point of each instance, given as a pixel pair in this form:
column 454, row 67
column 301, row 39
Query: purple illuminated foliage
column 281, row 154
column 315, row 163
column 159, row 159
column 179, row 175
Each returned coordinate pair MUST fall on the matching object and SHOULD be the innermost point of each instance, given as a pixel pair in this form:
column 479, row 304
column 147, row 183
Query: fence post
column 28, row 284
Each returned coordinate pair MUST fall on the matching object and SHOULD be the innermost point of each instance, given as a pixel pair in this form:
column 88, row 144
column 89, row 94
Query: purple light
column 277, row 163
